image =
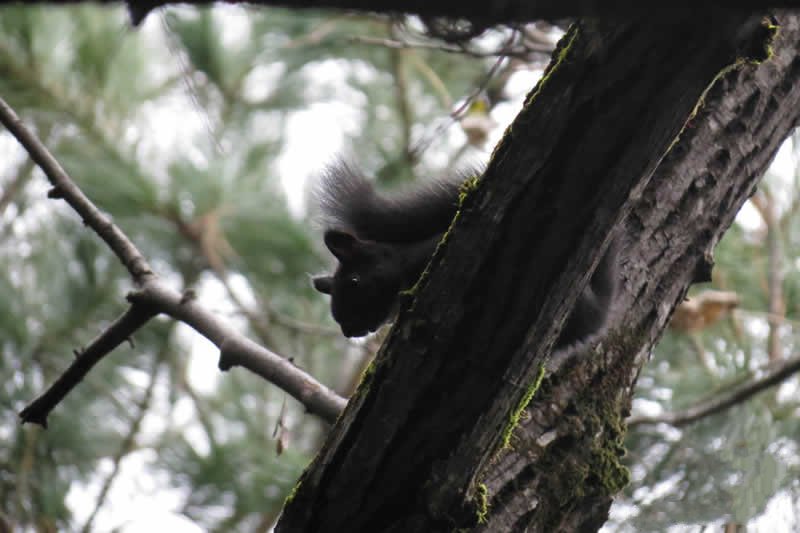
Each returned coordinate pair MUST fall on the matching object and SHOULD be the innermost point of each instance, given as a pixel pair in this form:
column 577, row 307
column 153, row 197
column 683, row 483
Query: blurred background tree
column 197, row 133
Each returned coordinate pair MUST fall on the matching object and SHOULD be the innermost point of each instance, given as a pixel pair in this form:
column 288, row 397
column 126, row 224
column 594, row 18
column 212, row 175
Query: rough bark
column 671, row 232
column 420, row 447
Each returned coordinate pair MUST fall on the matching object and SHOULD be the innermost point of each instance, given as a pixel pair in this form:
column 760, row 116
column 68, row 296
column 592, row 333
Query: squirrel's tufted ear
column 323, row 284
column 342, row 245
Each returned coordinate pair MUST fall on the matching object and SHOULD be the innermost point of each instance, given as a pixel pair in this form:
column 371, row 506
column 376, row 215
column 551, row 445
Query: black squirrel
column 383, row 244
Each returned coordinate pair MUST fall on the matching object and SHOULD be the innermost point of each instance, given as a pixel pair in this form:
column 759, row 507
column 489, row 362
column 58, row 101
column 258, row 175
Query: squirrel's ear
column 323, row 284
column 341, row 244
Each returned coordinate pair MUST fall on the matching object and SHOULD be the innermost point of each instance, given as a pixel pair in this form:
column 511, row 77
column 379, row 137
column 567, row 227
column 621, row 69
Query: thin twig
column 456, row 115
column 24, row 173
column 128, row 443
column 519, row 52
column 189, row 80
column 479, row 89
column 300, row 326
column 765, row 205
column 774, row 374
column 398, row 63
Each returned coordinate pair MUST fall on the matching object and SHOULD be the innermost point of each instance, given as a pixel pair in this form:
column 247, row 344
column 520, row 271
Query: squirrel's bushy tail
column 350, row 203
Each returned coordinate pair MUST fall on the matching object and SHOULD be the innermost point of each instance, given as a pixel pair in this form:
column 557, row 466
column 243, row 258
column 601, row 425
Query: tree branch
column 117, row 333
column 153, row 297
column 765, row 205
column 63, row 187
column 774, row 374
column 238, row 350
column 519, row 51
column 487, row 13
column 14, row 185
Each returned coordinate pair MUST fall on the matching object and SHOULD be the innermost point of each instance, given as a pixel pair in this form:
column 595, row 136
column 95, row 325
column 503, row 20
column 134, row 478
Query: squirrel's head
column 364, row 287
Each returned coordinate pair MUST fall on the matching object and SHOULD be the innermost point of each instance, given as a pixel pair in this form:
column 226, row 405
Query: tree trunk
column 424, row 443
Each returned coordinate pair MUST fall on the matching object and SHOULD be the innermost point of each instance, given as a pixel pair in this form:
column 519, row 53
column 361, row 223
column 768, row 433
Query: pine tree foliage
column 176, row 130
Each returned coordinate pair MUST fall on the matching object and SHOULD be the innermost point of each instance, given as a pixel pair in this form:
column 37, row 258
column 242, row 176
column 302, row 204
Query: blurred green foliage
column 175, row 129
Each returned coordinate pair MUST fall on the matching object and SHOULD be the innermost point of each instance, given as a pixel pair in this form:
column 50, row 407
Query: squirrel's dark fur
column 349, row 203
column 383, row 244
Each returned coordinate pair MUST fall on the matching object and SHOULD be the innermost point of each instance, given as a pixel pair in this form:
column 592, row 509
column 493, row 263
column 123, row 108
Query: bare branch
column 765, row 205
column 63, row 187
column 14, row 185
column 236, row 349
column 457, row 114
column 117, row 333
column 774, row 374
column 152, row 298
column 520, row 51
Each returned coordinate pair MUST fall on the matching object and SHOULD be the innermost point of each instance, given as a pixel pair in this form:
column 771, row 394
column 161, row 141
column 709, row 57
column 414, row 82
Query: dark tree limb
column 674, row 225
column 774, row 374
column 238, row 350
column 417, row 447
column 488, row 13
column 151, row 298
column 118, row 332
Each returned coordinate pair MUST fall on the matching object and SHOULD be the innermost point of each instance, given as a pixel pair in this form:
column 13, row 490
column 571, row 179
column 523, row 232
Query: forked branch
column 153, row 297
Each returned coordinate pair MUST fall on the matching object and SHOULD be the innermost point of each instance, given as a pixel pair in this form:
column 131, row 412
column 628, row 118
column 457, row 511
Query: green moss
column 606, row 420
column 580, row 467
column 467, row 187
column 516, row 414
column 292, row 493
column 606, row 469
column 773, row 31
column 411, row 291
column 367, row 375
column 585, row 459
column 482, row 497
column 560, row 55
column 764, row 50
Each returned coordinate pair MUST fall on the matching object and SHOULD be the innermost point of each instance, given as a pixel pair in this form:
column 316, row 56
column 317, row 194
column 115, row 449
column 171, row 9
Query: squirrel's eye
column 355, row 279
